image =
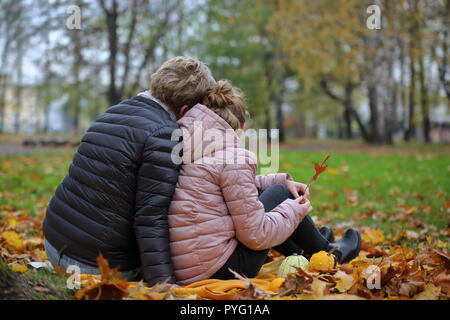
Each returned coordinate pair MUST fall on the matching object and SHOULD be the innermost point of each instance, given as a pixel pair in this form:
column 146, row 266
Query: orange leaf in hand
column 319, row 168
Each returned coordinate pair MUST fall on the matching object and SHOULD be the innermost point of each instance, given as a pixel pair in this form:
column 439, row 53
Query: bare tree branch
column 149, row 51
column 126, row 51
column 326, row 88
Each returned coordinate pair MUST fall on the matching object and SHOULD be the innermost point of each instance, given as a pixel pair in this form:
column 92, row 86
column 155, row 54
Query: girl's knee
column 274, row 195
column 280, row 188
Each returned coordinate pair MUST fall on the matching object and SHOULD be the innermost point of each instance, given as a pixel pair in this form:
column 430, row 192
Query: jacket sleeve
column 255, row 228
column 156, row 182
column 263, row 182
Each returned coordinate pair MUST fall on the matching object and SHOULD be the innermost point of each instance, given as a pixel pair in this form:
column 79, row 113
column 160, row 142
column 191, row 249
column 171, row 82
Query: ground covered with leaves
column 398, row 200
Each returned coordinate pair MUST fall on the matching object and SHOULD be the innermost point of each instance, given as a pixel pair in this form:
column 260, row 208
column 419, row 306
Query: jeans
column 64, row 261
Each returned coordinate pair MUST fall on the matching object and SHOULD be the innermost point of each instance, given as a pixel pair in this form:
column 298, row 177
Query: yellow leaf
column 343, row 281
column 428, row 268
column 17, row 268
column 342, row 297
column 333, row 172
column 288, row 165
column 401, row 253
column 33, row 242
column 275, row 284
column 431, row 292
column 13, row 240
column 374, row 236
column 318, row 288
column 442, row 244
column 11, row 223
column 270, row 266
column 7, row 165
column 40, row 255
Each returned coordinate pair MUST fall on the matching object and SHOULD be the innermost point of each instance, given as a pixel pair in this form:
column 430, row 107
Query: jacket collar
column 148, row 95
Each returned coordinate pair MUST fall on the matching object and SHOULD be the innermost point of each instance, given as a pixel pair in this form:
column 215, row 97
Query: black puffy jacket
column 115, row 197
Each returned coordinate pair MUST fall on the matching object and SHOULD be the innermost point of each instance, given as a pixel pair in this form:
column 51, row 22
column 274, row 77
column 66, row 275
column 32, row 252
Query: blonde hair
column 228, row 102
column 181, row 81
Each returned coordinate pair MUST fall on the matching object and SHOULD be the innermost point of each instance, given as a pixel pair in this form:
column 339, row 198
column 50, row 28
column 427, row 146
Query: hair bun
column 228, row 102
column 221, row 94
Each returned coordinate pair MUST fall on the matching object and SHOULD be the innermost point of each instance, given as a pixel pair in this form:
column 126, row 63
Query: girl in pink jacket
column 224, row 216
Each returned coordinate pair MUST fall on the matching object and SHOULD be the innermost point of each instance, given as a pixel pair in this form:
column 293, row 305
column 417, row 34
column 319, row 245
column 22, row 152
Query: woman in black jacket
column 115, row 197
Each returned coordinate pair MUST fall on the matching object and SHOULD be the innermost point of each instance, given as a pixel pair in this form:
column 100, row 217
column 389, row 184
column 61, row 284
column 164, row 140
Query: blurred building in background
column 24, row 112
column 440, row 125
column 21, row 112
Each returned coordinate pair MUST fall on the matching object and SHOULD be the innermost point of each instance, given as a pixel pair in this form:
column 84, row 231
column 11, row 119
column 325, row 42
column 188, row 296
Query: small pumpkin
column 321, row 260
column 289, row 263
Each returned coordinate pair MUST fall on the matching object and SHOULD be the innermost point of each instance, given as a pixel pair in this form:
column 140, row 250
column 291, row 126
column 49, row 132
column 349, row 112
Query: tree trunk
column 391, row 120
column 443, row 67
column 278, row 99
column 268, row 122
column 111, row 24
column 403, row 87
column 424, row 101
column 347, row 118
column 126, row 51
column 352, row 113
column 19, row 89
column 349, row 110
column 373, row 106
column 390, row 116
column 365, row 135
column 78, row 60
column 410, row 132
column 3, row 84
column 340, row 130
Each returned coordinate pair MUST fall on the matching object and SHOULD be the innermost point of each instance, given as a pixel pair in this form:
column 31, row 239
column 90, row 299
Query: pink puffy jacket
column 216, row 204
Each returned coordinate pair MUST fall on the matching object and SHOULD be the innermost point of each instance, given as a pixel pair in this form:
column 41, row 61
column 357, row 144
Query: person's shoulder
column 151, row 106
column 140, row 108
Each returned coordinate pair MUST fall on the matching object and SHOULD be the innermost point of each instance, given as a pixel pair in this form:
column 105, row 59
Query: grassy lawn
column 28, row 181
column 391, row 191
column 387, row 191
column 27, row 184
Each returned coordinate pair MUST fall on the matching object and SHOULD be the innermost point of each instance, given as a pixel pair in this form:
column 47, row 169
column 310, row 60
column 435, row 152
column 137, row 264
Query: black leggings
column 305, row 238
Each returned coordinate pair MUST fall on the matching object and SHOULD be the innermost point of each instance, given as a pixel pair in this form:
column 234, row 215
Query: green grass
column 33, row 285
column 386, row 186
column 28, row 181
column 383, row 183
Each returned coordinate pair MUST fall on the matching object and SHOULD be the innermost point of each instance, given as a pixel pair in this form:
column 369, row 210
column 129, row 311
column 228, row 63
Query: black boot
column 289, row 247
column 327, row 233
column 348, row 247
